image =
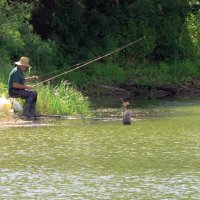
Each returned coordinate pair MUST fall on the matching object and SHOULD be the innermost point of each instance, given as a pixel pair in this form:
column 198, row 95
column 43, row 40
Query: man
column 17, row 87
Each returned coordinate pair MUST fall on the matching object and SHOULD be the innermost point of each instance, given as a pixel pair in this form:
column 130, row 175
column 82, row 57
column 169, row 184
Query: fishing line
column 91, row 61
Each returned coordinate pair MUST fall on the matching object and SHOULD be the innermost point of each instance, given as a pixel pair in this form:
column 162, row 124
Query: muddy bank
column 130, row 91
column 11, row 120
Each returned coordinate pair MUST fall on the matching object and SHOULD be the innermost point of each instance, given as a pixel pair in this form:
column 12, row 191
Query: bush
column 5, row 66
column 194, row 30
column 17, row 39
column 163, row 73
column 98, row 73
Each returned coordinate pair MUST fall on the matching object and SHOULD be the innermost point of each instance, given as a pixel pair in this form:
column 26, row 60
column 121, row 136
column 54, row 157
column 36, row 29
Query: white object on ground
column 5, row 105
column 16, row 105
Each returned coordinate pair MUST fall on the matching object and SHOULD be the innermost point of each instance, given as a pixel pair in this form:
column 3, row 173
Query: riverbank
column 112, row 93
column 105, row 109
column 131, row 90
column 10, row 120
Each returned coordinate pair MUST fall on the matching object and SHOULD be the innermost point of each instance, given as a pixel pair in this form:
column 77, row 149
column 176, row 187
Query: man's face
column 24, row 68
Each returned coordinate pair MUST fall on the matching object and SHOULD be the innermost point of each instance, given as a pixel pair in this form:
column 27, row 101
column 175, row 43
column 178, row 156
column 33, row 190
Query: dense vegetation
column 17, row 39
column 58, row 34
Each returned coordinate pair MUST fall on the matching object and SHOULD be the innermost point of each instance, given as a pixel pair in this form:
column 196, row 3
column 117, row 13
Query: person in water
column 127, row 113
column 17, row 87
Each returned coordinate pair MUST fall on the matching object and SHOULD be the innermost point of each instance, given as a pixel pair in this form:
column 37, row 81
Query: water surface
column 156, row 157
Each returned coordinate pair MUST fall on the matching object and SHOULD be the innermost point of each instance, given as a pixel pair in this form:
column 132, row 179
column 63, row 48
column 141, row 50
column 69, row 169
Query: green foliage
column 163, row 73
column 14, row 29
column 106, row 73
column 193, row 23
column 62, row 99
column 44, row 55
column 17, row 39
column 5, row 66
column 3, row 89
column 82, row 30
column 80, row 78
column 86, row 29
column 98, row 73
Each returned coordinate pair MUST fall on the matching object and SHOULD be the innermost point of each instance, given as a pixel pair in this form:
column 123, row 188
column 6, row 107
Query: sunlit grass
column 62, row 99
column 3, row 89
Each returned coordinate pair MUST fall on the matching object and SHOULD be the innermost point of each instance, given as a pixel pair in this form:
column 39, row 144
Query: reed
column 62, row 99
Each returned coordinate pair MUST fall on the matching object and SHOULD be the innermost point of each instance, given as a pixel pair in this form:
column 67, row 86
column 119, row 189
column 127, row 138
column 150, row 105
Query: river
column 156, row 157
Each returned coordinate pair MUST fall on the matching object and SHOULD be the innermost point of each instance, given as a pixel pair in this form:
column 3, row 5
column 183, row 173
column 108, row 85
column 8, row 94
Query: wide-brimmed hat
column 24, row 61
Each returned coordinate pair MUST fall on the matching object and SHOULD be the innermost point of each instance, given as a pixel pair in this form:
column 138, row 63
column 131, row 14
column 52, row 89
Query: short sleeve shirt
column 16, row 76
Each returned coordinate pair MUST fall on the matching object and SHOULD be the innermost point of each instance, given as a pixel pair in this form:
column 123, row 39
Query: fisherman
column 18, row 89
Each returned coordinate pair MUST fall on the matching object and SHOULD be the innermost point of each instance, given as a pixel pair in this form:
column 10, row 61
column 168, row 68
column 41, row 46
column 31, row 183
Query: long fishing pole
column 59, row 70
column 91, row 61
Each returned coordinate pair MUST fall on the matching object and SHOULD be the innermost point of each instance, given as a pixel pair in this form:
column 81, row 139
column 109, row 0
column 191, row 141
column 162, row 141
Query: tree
column 86, row 28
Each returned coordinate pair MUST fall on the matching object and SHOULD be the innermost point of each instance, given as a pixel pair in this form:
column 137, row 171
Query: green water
column 156, row 157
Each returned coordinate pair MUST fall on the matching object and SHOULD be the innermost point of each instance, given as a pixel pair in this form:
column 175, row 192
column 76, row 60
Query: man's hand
column 29, row 87
column 32, row 78
column 35, row 78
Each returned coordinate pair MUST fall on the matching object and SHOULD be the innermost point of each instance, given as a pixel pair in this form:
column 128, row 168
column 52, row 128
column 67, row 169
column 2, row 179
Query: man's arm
column 20, row 86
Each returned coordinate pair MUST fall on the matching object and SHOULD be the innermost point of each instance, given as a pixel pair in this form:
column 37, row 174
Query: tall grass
column 5, row 66
column 62, row 99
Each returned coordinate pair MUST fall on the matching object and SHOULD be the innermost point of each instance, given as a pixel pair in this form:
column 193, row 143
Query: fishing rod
column 59, row 70
column 91, row 61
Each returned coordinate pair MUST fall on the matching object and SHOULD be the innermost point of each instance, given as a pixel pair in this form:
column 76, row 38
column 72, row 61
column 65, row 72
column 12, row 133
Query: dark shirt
column 16, row 76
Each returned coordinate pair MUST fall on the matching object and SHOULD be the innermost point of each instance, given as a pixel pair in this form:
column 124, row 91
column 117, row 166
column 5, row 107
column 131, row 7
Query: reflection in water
column 155, row 158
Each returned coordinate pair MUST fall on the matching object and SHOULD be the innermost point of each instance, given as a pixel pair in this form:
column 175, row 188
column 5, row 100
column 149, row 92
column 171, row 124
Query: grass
column 146, row 73
column 164, row 73
column 62, row 99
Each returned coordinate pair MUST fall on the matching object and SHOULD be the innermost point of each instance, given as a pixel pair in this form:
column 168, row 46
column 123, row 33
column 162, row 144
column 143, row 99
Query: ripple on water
column 156, row 158
column 93, row 186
